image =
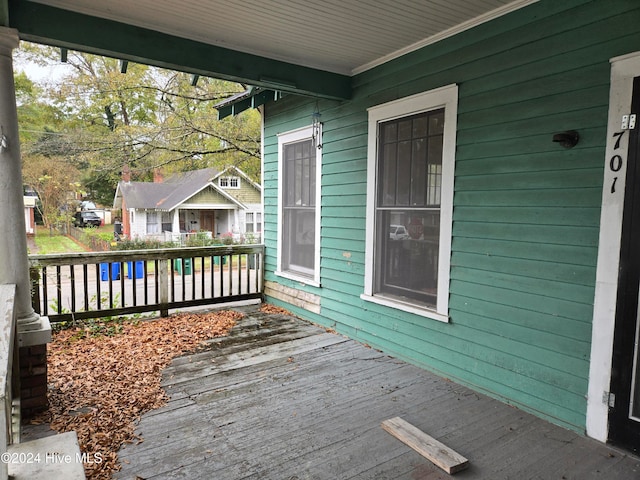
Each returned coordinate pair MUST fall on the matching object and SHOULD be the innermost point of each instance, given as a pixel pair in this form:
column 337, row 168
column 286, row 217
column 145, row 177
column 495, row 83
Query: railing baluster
column 98, row 293
column 240, row 274
column 45, row 295
column 184, row 280
column 202, row 276
column 131, row 272
column 212, row 275
column 221, row 265
column 258, row 266
column 145, row 274
column 72, row 278
column 249, row 256
column 85, row 279
column 193, row 278
column 110, row 277
column 122, row 287
column 230, row 274
column 59, row 287
column 156, row 268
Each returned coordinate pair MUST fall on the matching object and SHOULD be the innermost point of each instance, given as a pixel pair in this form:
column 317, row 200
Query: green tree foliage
column 147, row 118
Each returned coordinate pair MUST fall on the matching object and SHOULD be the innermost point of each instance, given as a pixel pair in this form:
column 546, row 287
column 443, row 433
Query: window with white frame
column 229, row 182
column 152, row 223
column 253, row 222
column 411, row 160
column 298, row 206
column 167, row 221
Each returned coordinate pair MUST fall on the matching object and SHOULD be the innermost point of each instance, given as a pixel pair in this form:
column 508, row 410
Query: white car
column 398, row 232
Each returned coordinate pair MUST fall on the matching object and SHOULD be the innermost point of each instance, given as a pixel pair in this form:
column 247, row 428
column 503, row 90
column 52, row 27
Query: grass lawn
column 47, row 243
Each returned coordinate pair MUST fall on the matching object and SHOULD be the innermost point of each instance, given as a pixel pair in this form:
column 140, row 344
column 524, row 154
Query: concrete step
column 56, row 457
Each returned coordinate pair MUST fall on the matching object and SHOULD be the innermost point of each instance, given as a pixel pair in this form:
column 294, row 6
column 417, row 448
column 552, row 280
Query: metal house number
column 616, row 161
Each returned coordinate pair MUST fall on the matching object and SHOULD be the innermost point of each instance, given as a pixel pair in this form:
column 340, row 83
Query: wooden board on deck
column 438, row 453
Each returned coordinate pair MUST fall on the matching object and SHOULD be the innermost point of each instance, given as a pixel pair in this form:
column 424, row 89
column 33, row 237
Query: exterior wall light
column 568, row 139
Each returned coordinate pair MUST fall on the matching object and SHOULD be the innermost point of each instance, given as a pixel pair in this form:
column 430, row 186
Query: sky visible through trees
column 82, row 121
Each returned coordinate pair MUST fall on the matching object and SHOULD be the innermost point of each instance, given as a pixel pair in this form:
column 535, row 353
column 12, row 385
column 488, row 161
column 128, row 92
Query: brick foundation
column 33, row 380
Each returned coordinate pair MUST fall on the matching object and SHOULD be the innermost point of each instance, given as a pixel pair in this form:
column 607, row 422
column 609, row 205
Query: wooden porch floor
column 282, row 399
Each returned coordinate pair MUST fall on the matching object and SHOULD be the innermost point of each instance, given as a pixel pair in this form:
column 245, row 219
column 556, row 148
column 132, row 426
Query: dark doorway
column 624, row 418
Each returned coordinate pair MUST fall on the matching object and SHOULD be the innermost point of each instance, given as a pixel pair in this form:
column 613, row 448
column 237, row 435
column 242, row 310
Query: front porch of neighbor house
column 280, row 398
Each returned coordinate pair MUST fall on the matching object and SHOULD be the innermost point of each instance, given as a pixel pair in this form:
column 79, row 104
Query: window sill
column 297, row 278
column 405, row 307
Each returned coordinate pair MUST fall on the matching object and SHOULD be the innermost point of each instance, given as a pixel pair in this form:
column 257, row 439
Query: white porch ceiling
column 340, row 36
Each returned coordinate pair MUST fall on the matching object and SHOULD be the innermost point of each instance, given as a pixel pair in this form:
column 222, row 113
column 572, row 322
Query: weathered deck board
column 435, row 451
column 282, row 399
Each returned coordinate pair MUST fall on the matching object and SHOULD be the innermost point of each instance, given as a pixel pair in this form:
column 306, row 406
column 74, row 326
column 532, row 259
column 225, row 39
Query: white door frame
column 623, row 70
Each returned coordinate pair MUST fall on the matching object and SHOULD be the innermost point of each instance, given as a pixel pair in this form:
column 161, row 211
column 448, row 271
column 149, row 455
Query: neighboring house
column 204, row 200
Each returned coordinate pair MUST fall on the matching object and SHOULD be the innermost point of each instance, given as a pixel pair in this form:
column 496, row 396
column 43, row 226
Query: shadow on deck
column 282, row 399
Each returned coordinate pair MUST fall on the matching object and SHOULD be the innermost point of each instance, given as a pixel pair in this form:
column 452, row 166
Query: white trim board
column 623, row 70
column 450, row 32
column 444, row 97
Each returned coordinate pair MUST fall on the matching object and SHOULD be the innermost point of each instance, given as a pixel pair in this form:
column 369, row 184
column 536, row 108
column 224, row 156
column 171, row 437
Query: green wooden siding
column 526, row 211
column 246, row 194
column 208, row 196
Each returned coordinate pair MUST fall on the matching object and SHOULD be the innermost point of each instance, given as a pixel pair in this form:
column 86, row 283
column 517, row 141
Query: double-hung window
column 298, row 206
column 152, row 222
column 254, row 222
column 410, row 202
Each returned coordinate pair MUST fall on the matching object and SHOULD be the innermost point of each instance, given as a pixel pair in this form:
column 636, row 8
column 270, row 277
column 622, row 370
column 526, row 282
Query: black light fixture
column 568, row 139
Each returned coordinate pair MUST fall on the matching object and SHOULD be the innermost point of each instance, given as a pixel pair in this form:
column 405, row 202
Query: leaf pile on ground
column 268, row 308
column 99, row 386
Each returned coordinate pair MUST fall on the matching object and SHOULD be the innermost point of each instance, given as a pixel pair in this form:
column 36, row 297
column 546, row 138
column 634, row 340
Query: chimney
column 157, row 176
column 126, row 174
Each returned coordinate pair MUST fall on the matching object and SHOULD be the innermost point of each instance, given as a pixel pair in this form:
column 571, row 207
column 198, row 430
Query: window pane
column 299, row 242
column 420, row 126
column 390, row 132
column 388, row 175
column 404, row 130
column 403, row 173
column 418, row 172
column 407, row 260
column 312, row 180
column 299, row 217
column 436, row 122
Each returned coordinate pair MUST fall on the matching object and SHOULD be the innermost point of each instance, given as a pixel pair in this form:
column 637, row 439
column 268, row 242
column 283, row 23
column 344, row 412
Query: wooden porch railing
column 78, row 286
column 9, row 375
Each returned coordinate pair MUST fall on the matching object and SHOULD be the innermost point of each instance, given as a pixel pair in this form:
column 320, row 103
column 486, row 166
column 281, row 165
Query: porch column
column 14, row 264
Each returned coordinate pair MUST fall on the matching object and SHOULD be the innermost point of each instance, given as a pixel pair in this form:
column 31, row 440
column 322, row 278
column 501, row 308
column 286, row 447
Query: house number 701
column 616, row 161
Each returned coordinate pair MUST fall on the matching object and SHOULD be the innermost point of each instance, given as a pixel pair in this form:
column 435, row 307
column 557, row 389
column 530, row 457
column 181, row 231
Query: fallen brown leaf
column 268, row 308
column 100, row 386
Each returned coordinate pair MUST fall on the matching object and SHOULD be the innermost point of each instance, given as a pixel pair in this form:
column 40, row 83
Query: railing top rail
column 149, row 254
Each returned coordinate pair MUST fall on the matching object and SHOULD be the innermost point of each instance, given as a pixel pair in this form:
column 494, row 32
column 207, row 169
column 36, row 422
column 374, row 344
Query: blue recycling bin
column 135, row 269
column 115, row 271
